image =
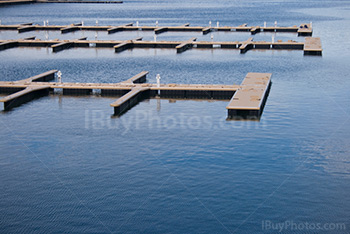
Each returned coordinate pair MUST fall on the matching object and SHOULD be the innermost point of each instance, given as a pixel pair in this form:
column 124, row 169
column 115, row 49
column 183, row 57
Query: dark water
column 177, row 166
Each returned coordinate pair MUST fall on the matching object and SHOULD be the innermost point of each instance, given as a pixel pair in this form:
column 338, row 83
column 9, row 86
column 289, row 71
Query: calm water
column 177, row 166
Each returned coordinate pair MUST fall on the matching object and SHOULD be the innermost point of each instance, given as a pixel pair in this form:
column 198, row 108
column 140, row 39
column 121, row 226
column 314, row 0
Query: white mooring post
column 273, row 39
column 95, row 35
column 96, row 22
column 44, row 23
column 275, row 23
column 47, row 22
column 265, row 24
column 59, row 76
column 82, row 23
column 137, row 23
column 212, row 37
column 158, row 83
column 217, row 24
column 310, row 23
column 157, row 23
column 209, row 24
column 155, row 38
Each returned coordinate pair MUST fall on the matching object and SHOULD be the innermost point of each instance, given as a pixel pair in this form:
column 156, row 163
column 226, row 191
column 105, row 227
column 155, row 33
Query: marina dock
column 303, row 30
column 310, row 46
column 248, row 99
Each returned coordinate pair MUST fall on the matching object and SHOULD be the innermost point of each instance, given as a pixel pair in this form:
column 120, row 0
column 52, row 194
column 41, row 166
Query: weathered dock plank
column 312, row 46
column 249, row 100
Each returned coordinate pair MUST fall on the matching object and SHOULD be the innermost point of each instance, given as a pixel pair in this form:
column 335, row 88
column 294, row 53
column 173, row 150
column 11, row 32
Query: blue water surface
column 177, row 166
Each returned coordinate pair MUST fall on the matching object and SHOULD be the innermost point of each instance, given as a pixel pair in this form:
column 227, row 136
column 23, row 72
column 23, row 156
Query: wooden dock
column 248, row 100
column 313, row 46
column 310, row 46
column 303, row 30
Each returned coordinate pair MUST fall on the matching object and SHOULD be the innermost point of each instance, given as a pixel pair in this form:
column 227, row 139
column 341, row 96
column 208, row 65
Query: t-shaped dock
column 248, row 99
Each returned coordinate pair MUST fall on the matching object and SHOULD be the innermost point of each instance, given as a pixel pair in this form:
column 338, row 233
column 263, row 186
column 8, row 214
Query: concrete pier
column 248, row 100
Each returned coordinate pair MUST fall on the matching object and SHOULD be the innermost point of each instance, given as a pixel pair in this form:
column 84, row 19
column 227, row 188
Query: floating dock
column 313, row 46
column 303, row 30
column 250, row 98
column 310, row 46
column 247, row 102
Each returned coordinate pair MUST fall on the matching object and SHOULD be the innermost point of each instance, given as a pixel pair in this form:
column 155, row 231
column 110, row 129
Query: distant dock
column 303, row 30
column 247, row 100
column 311, row 46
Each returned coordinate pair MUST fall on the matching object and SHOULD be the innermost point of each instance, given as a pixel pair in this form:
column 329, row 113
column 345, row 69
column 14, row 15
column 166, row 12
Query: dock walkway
column 134, row 90
column 310, row 46
column 303, row 30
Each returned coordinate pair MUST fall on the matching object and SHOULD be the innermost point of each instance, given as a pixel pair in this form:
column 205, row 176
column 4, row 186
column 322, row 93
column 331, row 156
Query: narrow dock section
column 305, row 30
column 43, row 77
column 312, row 46
column 255, row 30
column 161, row 30
column 26, row 28
column 129, row 100
column 249, row 101
column 71, row 28
column 246, row 45
column 185, row 45
column 8, row 45
column 206, row 30
column 23, row 96
column 62, row 46
column 137, row 79
column 118, row 28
